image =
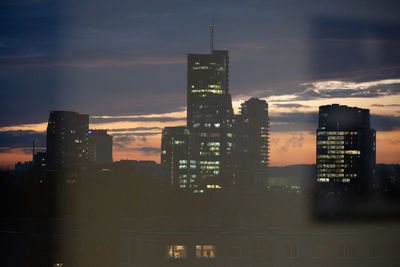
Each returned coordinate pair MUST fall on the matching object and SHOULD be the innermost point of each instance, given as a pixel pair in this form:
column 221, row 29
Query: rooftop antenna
column 33, row 149
column 212, row 36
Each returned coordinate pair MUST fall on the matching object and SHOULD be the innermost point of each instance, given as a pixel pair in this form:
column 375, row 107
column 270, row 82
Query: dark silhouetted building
column 67, row 140
column 345, row 149
column 181, row 169
column 100, row 147
column 251, row 146
column 209, row 115
column 253, row 133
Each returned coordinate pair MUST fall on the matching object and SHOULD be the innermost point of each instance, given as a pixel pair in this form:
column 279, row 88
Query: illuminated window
column 205, row 251
column 213, row 144
column 176, row 252
column 214, row 186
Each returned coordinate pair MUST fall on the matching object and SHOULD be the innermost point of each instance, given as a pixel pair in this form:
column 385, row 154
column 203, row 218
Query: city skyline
column 133, row 83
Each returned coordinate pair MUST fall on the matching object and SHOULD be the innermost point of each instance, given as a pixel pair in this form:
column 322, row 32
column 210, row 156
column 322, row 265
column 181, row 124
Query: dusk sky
column 124, row 64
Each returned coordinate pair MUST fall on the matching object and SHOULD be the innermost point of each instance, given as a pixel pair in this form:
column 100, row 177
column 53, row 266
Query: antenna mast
column 212, row 36
column 33, row 150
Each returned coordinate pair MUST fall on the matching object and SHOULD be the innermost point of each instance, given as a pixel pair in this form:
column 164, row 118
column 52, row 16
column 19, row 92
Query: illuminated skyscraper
column 209, row 114
column 345, row 149
column 67, row 140
column 100, row 146
column 175, row 158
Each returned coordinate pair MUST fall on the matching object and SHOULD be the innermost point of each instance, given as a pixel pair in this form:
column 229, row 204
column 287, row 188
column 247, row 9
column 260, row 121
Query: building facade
column 100, row 147
column 67, row 140
column 252, row 137
column 346, row 149
column 210, row 115
column 181, row 169
column 251, row 144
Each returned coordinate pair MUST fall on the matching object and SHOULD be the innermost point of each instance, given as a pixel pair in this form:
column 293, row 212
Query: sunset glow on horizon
column 138, row 137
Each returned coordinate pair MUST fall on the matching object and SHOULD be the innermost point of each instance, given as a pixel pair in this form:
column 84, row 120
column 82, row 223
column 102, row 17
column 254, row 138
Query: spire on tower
column 33, row 150
column 212, row 36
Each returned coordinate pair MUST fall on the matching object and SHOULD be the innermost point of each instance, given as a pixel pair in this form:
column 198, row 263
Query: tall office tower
column 345, row 149
column 209, row 114
column 67, row 140
column 100, row 147
column 251, row 144
column 175, row 158
column 255, row 137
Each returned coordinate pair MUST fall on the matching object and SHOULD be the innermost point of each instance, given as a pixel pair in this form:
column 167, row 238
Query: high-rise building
column 209, row 115
column 250, row 159
column 100, row 147
column 345, row 149
column 176, row 159
column 253, row 138
column 67, row 140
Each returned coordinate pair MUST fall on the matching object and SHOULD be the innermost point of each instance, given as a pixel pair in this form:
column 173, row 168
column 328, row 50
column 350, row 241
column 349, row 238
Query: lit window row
column 335, row 137
column 213, row 144
column 330, row 156
column 336, row 151
column 214, row 91
column 331, row 175
column 200, row 68
column 352, row 152
column 209, row 162
column 331, row 170
column 213, row 186
column 337, row 133
column 337, row 142
column 209, row 167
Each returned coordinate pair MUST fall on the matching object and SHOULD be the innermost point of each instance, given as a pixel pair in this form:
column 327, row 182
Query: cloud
column 95, row 119
column 385, row 123
column 24, row 150
column 289, row 105
column 143, row 134
column 382, row 105
column 149, row 150
column 303, row 121
column 15, row 139
column 295, row 141
column 40, row 62
column 125, row 140
column 136, row 129
column 348, row 89
column 298, row 121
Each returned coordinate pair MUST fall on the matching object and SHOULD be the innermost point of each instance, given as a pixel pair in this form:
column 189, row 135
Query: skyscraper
column 175, row 158
column 67, row 140
column 255, row 134
column 251, row 144
column 100, row 146
column 209, row 114
column 345, row 149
